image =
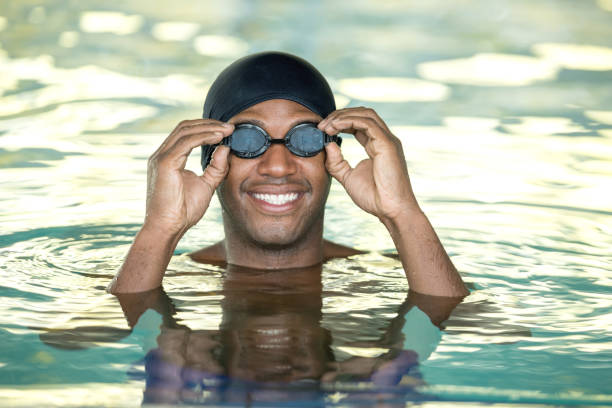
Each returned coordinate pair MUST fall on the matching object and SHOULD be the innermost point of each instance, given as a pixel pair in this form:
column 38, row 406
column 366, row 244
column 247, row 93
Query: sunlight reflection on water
column 490, row 70
column 110, row 22
column 392, row 89
column 174, row 30
column 574, row 56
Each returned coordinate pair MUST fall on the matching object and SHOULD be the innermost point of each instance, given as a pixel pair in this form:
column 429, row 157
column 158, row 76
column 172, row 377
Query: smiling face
column 276, row 200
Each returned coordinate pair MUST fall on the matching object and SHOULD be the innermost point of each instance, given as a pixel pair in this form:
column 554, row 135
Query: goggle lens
column 248, row 142
column 305, row 140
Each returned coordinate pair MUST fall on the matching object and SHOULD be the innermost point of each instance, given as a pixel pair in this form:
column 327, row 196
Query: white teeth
column 276, row 199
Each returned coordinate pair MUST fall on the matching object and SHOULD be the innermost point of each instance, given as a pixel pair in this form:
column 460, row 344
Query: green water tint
column 505, row 113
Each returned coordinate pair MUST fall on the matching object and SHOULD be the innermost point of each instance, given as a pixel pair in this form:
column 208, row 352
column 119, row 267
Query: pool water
column 504, row 110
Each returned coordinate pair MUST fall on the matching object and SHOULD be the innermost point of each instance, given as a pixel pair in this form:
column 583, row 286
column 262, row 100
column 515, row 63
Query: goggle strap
column 335, row 138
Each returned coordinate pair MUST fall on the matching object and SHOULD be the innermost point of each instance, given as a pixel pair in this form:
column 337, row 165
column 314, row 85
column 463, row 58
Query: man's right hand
column 178, row 198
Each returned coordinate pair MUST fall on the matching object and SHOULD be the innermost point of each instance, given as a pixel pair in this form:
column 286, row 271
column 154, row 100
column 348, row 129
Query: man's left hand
column 379, row 184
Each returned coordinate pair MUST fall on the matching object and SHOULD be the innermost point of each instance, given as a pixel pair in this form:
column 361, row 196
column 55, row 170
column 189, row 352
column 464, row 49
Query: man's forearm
column 427, row 266
column 146, row 262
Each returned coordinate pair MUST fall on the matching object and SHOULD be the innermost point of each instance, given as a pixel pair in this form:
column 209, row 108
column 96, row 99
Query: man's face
column 278, row 198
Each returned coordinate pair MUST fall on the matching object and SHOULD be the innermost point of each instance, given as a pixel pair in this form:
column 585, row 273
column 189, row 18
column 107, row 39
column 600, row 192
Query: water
column 505, row 112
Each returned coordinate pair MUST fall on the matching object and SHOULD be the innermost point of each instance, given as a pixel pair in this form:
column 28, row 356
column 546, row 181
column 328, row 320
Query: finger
column 354, row 125
column 190, row 127
column 180, row 125
column 375, row 140
column 331, row 117
column 218, row 167
column 371, row 113
column 335, row 163
column 176, row 156
column 355, row 111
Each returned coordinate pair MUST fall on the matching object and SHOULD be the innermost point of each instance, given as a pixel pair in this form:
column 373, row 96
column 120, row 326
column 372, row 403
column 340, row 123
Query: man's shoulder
column 332, row 250
column 214, row 254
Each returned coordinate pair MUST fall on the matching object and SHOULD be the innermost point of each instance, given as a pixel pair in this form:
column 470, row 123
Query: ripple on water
column 54, row 283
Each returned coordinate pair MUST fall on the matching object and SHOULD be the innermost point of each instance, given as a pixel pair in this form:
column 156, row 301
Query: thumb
column 218, row 167
column 335, row 163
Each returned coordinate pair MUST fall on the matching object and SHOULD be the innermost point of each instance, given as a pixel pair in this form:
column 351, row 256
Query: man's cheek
column 222, row 191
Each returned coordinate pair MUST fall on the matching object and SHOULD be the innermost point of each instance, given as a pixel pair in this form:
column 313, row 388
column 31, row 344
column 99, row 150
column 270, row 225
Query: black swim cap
column 263, row 76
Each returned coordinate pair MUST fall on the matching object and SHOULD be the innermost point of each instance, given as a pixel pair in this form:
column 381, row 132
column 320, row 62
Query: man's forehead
column 276, row 110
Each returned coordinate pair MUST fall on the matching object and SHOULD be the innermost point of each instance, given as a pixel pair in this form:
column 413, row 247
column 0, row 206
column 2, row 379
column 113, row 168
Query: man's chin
column 275, row 240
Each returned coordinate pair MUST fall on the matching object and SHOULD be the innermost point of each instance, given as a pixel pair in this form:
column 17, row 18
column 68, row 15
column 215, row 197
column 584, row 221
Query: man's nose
column 277, row 162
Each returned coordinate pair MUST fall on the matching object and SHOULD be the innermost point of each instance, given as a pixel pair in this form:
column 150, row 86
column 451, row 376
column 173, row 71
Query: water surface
column 505, row 113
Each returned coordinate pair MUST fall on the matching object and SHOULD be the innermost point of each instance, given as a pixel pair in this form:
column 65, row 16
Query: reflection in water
column 270, row 345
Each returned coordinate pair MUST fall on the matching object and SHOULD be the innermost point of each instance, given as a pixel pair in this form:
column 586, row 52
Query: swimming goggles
column 304, row 140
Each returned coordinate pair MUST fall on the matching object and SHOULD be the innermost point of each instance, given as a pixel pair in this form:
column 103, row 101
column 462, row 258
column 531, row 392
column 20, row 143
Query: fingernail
column 227, row 124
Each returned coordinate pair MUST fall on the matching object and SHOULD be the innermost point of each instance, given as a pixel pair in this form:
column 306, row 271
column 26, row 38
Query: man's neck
column 306, row 251
column 215, row 254
column 310, row 250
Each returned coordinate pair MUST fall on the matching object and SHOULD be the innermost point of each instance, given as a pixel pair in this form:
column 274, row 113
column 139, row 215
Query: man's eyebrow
column 251, row 121
column 304, row 120
column 263, row 125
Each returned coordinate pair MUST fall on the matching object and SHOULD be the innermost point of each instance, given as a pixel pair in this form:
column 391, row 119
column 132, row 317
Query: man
column 273, row 199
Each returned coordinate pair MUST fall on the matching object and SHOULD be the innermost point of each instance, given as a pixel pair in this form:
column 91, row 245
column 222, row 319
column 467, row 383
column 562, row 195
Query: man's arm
column 380, row 185
column 176, row 200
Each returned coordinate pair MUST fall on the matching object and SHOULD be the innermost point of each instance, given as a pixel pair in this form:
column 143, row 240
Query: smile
column 276, row 199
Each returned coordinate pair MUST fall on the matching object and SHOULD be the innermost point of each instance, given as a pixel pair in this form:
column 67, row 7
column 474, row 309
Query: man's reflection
column 271, row 345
